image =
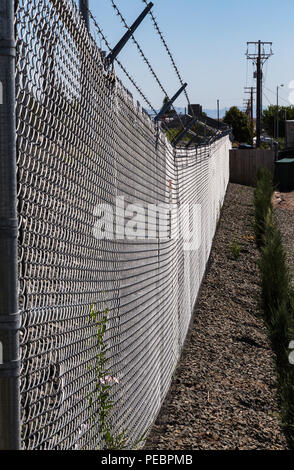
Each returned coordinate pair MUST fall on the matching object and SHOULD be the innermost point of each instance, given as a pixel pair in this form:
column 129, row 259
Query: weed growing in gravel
column 263, row 205
column 101, row 395
column 236, row 250
column 100, row 398
column 277, row 297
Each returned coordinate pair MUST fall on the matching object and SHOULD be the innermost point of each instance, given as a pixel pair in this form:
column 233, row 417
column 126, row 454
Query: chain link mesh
column 81, row 142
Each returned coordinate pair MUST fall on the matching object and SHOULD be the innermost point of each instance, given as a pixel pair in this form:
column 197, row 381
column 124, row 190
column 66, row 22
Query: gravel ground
column 285, row 220
column 224, row 392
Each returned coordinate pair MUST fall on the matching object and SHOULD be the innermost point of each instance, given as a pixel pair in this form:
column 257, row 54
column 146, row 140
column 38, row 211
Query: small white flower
column 102, row 381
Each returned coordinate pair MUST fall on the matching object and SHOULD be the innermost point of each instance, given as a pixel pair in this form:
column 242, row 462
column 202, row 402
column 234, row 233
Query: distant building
column 195, row 109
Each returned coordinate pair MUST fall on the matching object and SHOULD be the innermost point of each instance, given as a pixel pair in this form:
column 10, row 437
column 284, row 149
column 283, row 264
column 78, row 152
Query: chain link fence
column 83, row 147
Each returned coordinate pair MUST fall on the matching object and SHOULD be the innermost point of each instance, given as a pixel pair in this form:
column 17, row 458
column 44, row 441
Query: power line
column 267, row 99
column 275, row 93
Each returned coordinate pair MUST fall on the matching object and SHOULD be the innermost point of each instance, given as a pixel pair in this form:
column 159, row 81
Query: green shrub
column 286, row 383
column 262, row 204
column 277, row 297
column 281, row 329
column 275, row 278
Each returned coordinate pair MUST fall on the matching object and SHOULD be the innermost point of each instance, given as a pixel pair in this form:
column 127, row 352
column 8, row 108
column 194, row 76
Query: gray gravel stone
column 285, row 221
column 224, row 392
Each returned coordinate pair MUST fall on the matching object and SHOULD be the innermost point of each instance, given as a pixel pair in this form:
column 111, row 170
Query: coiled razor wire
column 81, row 143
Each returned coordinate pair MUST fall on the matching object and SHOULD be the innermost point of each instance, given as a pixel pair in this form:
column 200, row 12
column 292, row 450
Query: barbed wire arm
column 120, row 45
column 184, row 132
column 130, row 78
column 170, row 55
column 169, row 103
column 147, row 62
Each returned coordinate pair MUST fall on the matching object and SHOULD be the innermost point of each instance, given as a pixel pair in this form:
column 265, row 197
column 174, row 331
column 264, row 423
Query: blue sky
column 208, row 41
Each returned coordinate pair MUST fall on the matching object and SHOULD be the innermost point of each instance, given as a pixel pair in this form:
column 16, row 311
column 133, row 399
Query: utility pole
column 251, row 113
column 246, row 107
column 251, row 91
column 259, row 57
column 286, row 134
column 277, row 120
column 258, row 97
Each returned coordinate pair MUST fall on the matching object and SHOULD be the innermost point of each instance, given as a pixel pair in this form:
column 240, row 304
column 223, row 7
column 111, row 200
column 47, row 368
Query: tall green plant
column 263, row 205
column 100, row 397
column 275, row 278
column 277, row 298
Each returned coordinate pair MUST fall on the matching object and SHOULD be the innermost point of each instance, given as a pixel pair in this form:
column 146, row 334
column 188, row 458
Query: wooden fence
column 245, row 163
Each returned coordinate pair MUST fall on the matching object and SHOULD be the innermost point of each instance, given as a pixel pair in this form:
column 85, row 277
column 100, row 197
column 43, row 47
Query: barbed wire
column 156, row 26
column 131, row 79
column 144, row 58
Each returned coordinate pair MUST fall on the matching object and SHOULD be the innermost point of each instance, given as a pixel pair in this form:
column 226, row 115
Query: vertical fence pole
column 84, row 9
column 9, row 316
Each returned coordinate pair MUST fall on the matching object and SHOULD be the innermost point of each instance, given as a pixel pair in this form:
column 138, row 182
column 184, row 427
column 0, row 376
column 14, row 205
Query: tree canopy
column 240, row 123
column 169, row 112
column 270, row 116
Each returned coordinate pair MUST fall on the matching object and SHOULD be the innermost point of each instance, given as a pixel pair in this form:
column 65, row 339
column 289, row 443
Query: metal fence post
column 84, row 9
column 9, row 316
